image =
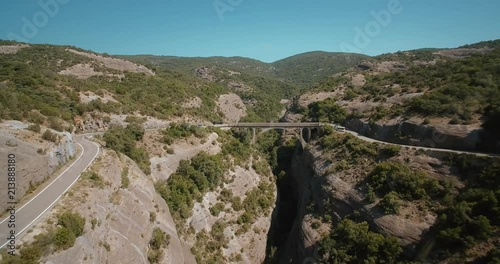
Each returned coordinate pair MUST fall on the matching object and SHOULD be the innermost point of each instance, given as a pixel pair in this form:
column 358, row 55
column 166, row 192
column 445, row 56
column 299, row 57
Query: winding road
column 27, row 214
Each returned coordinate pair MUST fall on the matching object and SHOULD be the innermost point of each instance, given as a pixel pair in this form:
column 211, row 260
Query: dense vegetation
column 38, row 86
column 70, row 227
column 269, row 82
column 473, row 216
column 309, row 68
column 326, row 111
column 264, row 92
column 178, row 131
column 302, row 69
column 208, row 246
column 394, row 181
column 468, row 216
column 463, row 91
column 351, row 242
column 159, row 240
column 190, row 182
column 125, row 140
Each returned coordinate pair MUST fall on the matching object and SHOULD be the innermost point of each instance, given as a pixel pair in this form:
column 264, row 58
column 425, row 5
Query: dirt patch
column 358, row 80
column 232, row 107
column 399, row 99
column 391, row 66
column 462, row 53
column 12, row 49
column 240, row 87
column 194, row 102
column 116, row 64
column 231, row 73
column 205, row 73
column 85, row 71
column 309, row 98
column 87, row 97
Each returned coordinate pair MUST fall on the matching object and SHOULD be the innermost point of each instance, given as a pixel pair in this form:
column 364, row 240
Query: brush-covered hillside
column 63, row 82
column 401, row 97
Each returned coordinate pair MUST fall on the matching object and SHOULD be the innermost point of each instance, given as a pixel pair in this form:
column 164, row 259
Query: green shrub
column 94, row 178
column 93, row 222
column 390, row 203
column 152, row 217
column 236, row 149
column 73, row 222
column 50, row 136
column 351, row 242
column 56, row 124
column 216, row 209
column 178, row 131
column 125, row 181
column 64, row 238
column 191, row 180
column 135, row 119
column 391, row 150
column 124, row 140
column 170, row 151
column 35, row 128
column 407, row 183
column 327, row 111
column 159, row 240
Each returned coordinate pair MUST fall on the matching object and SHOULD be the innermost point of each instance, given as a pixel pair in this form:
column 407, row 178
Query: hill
column 302, row 70
column 456, row 91
column 312, row 67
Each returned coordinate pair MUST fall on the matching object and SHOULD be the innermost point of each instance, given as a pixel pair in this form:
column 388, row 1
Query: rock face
column 251, row 244
column 232, row 107
column 122, row 216
column 458, row 137
column 116, row 64
column 12, row 49
column 36, row 159
column 204, row 73
column 119, row 222
column 319, row 192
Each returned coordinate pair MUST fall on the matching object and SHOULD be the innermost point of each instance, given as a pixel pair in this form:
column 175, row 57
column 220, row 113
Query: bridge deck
column 273, row 125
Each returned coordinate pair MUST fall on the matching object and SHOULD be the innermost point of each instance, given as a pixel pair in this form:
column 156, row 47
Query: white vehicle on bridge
column 338, row 127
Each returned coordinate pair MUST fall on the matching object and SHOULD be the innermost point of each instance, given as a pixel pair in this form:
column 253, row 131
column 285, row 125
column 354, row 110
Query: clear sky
column 267, row 30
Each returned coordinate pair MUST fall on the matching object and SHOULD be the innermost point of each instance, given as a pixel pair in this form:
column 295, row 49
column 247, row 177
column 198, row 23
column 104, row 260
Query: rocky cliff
column 412, row 132
column 328, row 192
column 36, row 159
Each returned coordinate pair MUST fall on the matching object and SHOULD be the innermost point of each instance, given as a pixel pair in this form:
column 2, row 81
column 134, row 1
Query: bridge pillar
column 301, row 134
column 254, row 136
column 308, row 135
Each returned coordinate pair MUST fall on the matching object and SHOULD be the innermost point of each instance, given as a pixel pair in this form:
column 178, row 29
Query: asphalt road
column 317, row 124
column 27, row 214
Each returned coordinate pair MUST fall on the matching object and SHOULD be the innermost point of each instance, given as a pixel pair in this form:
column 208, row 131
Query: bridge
column 282, row 126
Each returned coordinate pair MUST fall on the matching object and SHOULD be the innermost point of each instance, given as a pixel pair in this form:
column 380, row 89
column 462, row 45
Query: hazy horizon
column 263, row 31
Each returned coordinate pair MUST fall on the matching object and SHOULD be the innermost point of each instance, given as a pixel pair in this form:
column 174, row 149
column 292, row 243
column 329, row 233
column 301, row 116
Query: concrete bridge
column 283, row 126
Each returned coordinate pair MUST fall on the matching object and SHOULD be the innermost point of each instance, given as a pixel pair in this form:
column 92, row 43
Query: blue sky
column 265, row 30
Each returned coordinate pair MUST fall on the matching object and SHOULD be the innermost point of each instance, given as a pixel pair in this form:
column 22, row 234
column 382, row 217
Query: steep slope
column 408, row 97
column 410, row 205
column 262, row 86
column 38, row 82
column 357, row 201
column 310, row 68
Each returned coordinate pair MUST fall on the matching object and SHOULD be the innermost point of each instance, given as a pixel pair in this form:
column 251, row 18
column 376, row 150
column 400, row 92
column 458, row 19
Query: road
column 422, row 148
column 27, row 214
column 274, row 125
column 319, row 124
